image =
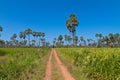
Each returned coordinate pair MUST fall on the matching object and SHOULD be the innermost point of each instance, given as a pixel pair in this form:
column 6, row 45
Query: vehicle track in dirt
column 60, row 66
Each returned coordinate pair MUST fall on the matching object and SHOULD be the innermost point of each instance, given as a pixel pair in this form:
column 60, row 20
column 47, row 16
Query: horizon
column 50, row 17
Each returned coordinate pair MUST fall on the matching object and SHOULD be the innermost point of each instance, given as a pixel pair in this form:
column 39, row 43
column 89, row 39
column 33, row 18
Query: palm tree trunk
column 39, row 41
column 29, row 39
column 73, row 38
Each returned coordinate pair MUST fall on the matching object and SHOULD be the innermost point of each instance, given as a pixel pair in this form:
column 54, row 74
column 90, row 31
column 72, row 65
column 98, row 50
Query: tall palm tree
column 28, row 31
column 1, row 29
column 71, row 24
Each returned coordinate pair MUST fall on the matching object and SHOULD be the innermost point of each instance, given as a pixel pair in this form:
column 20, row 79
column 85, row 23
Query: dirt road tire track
column 48, row 72
column 63, row 70
column 65, row 73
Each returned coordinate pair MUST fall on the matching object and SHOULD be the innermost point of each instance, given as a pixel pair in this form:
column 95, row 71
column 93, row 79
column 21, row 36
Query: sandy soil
column 63, row 70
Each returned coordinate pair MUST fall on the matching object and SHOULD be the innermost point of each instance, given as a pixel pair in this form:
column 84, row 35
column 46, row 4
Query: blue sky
column 49, row 16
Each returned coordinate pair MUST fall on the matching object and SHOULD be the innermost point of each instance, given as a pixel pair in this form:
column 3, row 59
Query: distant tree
column 117, row 38
column 33, row 43
column 34, row 34
column 2, row 43
column 13, row 40
column 60, row 38
column 69, row 40
column 54, row 42
column 66, row 38
column 14, row 36
column 40, row 34
column 43, row 41
column 76, row 40
column 21, row 35
column 107, row 41
column 82, row 41
column 99, row 39
column 47, row 44
column 91, row 42
column 24, row 35
column 28, row 31
column 71, row 24
column 97, row 35
column 1, row 29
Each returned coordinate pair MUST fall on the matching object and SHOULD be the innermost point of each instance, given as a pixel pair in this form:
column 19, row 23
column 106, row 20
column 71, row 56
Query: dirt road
column 60, row 66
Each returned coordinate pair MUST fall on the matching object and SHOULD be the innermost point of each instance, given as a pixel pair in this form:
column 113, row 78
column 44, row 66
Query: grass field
column 23, row 63
column 92, row 63
column 83, row 63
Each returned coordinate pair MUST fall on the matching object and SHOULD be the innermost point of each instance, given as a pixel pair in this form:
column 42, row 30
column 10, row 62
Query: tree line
column 111, row 40
column 25, row 40
column 38, row 38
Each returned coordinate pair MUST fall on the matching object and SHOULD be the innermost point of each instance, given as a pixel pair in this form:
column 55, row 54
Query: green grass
column 92, row 63
column 23, row 63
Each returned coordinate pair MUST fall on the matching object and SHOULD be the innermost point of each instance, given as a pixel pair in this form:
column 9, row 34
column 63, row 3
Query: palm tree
column 34, row 34
column 13, row 39
column 106, row 39
column 21, row 35
column 39, row 35
column 28, row 31
column 71, row 24
column 66, row 38
column 1, row 29
column 99, row 39
column 76, row 40
column 69, row 40
column 82, row 40
column 24, row 35
column 54, row 42
column 43, row 41
column 14, row 36
column 116, row 37
column 42, row 34
column 60, row 38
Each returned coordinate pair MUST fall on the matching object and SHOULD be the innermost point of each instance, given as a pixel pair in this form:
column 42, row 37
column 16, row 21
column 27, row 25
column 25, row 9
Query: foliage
column 97, row 63
column 23, row 63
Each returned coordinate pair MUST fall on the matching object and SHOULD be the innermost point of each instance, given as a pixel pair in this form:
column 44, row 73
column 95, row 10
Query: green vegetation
column 93, row 63
column 23, row 63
